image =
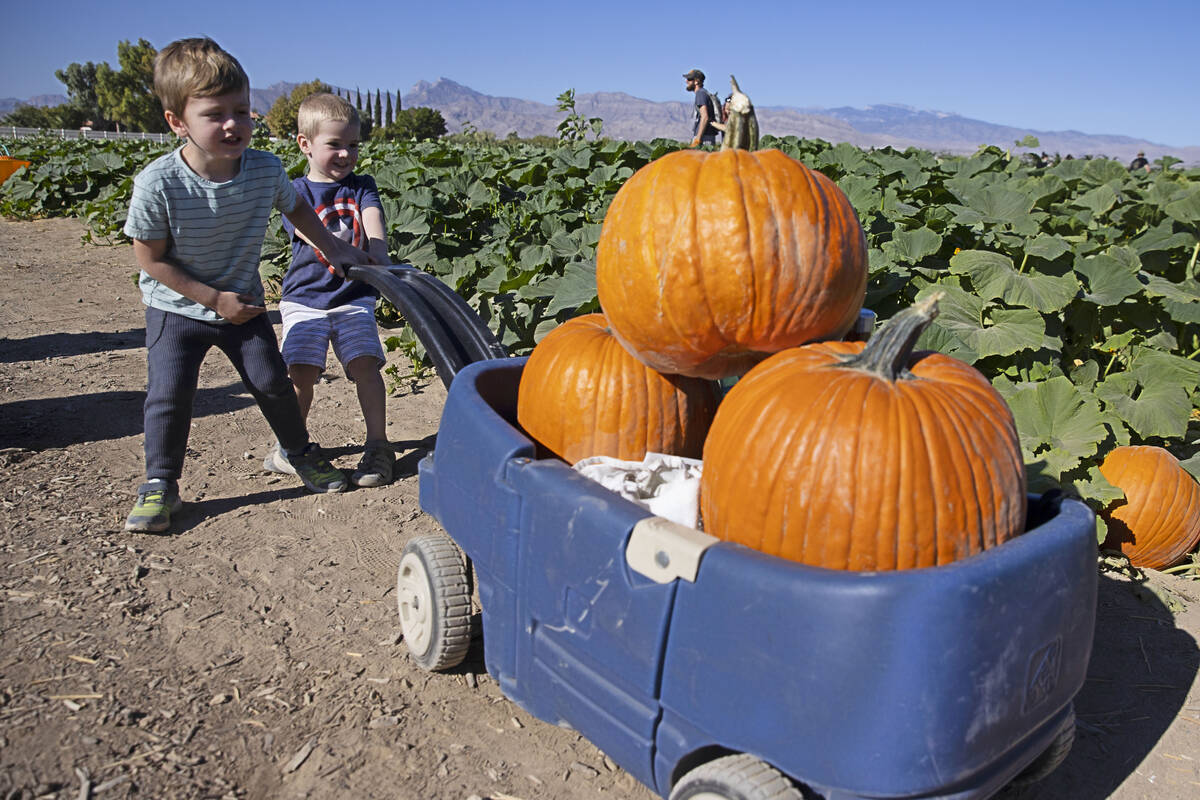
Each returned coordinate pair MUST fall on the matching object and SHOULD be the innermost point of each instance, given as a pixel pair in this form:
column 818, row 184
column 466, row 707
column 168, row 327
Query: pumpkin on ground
column 865, row 459
column 1159, row 520
column 709, row 262
column 581, row 394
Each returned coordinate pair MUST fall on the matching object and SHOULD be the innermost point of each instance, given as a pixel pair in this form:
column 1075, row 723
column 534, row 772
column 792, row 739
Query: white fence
column 17, row 133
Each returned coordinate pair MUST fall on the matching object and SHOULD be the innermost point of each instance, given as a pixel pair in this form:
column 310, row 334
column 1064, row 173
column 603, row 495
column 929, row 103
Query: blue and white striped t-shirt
column 215, row 230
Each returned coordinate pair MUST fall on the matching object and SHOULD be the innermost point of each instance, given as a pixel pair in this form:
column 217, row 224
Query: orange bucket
column 9, row 165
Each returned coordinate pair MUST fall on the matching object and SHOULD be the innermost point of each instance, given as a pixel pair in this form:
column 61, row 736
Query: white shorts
column 308, row 332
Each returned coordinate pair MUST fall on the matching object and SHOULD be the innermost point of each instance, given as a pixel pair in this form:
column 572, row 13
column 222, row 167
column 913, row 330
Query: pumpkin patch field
column 1073, row 287
column 256, row 654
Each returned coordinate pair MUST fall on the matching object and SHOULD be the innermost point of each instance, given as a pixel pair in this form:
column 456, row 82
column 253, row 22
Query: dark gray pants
column 175, row 347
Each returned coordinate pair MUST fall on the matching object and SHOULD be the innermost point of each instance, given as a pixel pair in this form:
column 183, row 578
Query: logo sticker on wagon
column 1042, row 676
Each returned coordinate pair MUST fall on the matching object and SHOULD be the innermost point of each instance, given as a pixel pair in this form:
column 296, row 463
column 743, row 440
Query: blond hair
column 196, row 67
column 323, row 107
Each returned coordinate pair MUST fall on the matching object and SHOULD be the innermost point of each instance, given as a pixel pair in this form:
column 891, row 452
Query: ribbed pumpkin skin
column 1159, row 520
column 582, row 394
column 839, row 468
column 708, row 262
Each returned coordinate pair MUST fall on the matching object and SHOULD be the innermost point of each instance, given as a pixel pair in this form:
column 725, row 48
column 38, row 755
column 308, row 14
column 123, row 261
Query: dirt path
column 254, row 652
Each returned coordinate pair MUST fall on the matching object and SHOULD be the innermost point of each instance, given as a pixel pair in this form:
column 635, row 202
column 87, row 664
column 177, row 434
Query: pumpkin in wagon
column 581, row 394
column 709, row 262
column 873, row 457
column 1158, row 522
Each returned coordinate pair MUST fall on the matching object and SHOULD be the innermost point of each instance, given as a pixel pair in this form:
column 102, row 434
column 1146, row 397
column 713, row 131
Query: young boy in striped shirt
column 319, row 307
column 197, row 218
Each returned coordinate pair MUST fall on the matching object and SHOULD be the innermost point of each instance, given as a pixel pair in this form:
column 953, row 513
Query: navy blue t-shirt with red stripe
column 311, row 280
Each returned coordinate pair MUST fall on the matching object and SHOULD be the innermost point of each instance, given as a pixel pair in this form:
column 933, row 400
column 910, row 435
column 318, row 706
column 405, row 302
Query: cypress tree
column 378, row 107
column 388, row 109
column 397, row 99
column 357, row 100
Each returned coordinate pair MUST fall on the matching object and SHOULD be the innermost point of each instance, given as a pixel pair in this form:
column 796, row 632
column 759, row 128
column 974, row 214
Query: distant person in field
column 197, row 219
column 1139, row 163
column 704, row 132
column 320, row 307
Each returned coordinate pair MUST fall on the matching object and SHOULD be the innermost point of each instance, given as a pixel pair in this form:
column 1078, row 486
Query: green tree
column 80, row 80
column 378, row 108
column 60, row 116
column 414, row 124
column 357, row 100
column 397, row 99
column 387, row 114
column 281, row 119
column 126, row 96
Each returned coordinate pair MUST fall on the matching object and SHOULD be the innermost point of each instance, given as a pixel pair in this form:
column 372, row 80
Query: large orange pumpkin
column 582, row 394
column 1158, row 522
column 864, row 459
column 709, row 262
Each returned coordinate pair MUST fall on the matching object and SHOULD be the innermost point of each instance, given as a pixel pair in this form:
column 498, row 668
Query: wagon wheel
column 737, row 777
column 433, row 595
column 1047, row 761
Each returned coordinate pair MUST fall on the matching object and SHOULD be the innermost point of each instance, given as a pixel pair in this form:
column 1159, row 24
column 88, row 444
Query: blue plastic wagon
column 713, row 672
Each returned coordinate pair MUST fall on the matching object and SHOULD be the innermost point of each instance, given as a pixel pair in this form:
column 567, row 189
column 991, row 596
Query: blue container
column 933, row 683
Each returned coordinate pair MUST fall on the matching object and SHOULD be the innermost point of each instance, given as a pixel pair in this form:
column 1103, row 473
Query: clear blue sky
column 1099, row 67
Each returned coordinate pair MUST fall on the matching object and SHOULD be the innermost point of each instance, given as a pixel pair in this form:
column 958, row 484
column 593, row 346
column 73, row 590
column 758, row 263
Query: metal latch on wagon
column 663, row 550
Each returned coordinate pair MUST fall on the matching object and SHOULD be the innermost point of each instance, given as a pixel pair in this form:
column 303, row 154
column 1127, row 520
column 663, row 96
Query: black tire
column 737, row 777
column 1047, row 762
column 433, row 596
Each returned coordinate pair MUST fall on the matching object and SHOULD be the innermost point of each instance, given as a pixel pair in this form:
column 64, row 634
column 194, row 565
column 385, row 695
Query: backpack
column 717, row 112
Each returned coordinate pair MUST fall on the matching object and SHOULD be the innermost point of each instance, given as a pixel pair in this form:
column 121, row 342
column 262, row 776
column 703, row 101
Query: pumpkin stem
column 741, row 129
column 888, row 351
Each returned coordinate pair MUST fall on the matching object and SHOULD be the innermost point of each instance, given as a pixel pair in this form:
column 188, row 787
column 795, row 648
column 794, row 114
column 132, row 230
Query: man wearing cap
column 703, row 131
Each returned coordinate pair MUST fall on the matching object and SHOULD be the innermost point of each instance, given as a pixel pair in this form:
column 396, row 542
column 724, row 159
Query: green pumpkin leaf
column 957, row 324
column 409, row 220
column 563, row 244
column 1097, row 488
column 1109, row 279
column 1097, row 200
column 1104, row 170
column 1192, row 465
column 1011, row 331
column 574, row 288
column 1159, row 410
column 1057, row 421
column 419, row 253
column 1086, row 374
column 994, row 277
column 863, row 192
column 909, row 247
column 1000, row 204
column 1180, row 300
column 1185, row 207
column 845, row 156
column 1152, row 367
column 534, row 256
column 1161, row 238
column 544, row 327
column 1048, row 247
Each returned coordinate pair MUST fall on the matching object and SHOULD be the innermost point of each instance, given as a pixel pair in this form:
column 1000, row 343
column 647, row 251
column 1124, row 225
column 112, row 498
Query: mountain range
column 633, row 118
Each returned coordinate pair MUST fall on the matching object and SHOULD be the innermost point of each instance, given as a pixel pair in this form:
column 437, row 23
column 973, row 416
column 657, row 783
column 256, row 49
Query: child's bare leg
column 372, row 395
column 379, row 460
column 304, row 378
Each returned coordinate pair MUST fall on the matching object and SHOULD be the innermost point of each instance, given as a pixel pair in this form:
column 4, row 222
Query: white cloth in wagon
column 667, row 485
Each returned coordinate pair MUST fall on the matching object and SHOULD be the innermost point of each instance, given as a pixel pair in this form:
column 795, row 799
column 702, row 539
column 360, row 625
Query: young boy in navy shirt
column 321, row 308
